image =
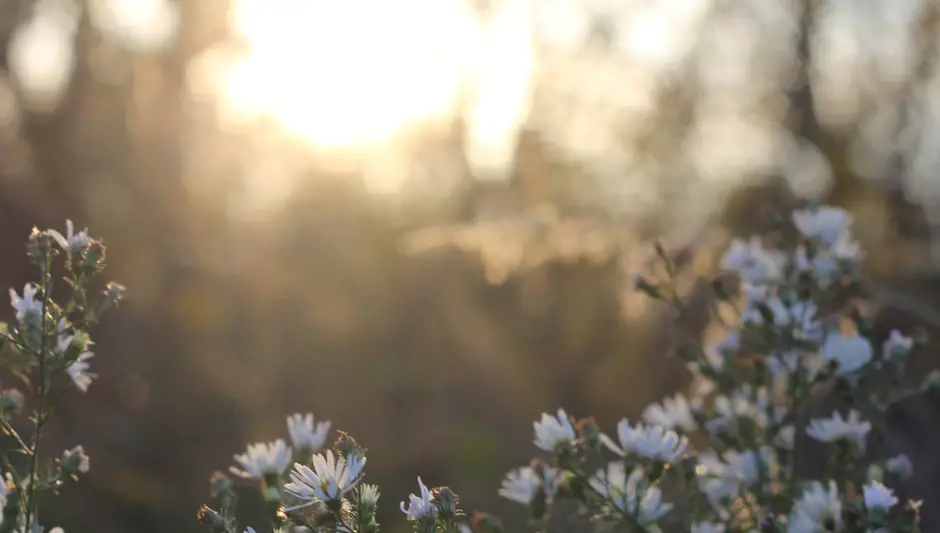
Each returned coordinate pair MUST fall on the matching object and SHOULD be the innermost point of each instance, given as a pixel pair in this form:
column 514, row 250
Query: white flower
column 753, row 262
column 78, row 371
column 263, row 459
column 552, row 432
column 896, row 345
column 420, row 506
column 878, row 497
column 522, row 485
column 673, row 413
column 622, row 492
column 798, row 317
column 653, row 442
column 71, row 242
column 707, row 527
column 823, row 265
column 329, row 479
column 743, row 403
column 900, row 465
column 716, row 479
column 304, row 435
column 28, row 304
column 723, row 480
column 851, row 352
column 816, row 507
column 826, row 224
column 249, row 529
column 836, row 428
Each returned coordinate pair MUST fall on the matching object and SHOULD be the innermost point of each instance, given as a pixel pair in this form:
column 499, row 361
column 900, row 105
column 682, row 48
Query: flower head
column 878, row 497
column 835, row 428
column 75, row 460
column 78, row 371
column 420, row 506
column 523, row 484
column 753, row 262
column 896, row 345
column 672, row 413
column 815, row 508
column 263, row 459
column 900, row 465
column 553, row 432
column 329, row 480
column 304, row 434
column 652, row 442
column 851, row 352
column 27, row 305
column 630, row 493
column 826, row 224
column 72, row 241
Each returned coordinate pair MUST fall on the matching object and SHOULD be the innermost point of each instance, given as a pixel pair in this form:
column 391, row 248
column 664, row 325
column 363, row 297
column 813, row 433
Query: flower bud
column 347, row 447
column 113, row 294
column 910, row 520
column 367, row 502
column 74, row 462
column 11, row 402
column 900, row 465
column 211, row 519
column 40, row 246
column 446, row 502
column 588, row 430
column 640, row 284
column 219, row 484
column 92, row 259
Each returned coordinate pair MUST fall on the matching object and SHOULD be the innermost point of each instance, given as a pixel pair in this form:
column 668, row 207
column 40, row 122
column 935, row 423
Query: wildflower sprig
column 48, row 337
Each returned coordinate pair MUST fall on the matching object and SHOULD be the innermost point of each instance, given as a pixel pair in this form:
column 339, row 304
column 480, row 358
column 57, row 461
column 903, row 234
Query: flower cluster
column 728, row 457
column 48, row 342
column 729, row 454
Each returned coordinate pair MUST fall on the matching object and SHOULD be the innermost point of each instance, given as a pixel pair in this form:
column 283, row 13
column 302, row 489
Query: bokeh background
column 419, row 218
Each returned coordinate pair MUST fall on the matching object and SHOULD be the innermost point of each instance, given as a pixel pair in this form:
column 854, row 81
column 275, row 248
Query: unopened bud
column 347, row 446
column 211, row 519
column 640, row 284
column 590, row 432
column 219, row 484
column 92, row 259
column 74, row 462
column 113, row 294
column 11, row 402
column 367, row 502
column 900, row 465
column 40, row 246
column 446, row 502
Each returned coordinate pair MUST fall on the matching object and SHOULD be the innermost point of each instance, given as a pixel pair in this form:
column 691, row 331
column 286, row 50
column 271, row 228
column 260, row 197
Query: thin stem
column 43, row 394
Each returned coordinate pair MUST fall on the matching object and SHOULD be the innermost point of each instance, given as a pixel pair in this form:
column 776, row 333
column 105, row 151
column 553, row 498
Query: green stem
column 43, row 394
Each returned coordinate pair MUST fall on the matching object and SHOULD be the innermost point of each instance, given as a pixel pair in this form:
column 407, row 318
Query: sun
column 350, row 73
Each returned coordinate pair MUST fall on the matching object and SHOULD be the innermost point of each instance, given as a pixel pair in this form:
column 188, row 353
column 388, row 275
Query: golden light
column 351, row 73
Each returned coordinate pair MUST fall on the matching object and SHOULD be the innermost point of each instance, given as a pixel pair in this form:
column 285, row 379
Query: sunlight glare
column 351, row 73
